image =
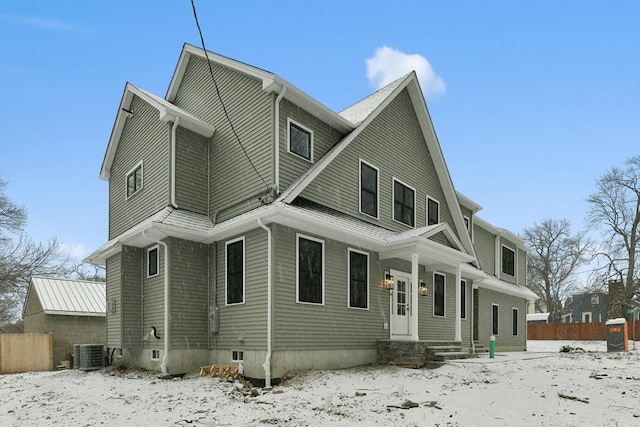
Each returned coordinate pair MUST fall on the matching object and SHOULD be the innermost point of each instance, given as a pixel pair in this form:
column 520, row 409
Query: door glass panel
column 401, row 300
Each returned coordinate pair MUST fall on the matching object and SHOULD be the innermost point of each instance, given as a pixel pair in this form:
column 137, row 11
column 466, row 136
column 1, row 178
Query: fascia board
column 497, row 231
column 494, row 284
column 116, row 132
column 468, row 203
column 426, row 124
column 75, row 313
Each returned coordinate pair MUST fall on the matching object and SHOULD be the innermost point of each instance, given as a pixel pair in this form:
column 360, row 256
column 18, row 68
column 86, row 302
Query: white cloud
column 76, row 251
column 39, row 22
column 389, row 64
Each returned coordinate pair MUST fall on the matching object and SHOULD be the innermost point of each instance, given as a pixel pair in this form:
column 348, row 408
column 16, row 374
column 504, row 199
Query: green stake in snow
column 492, row 347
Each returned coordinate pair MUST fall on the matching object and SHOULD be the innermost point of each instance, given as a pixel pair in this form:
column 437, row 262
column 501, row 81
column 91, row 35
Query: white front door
column 401, row 307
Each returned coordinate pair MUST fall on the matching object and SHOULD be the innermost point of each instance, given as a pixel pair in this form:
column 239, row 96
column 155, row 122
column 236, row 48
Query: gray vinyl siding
column 250, row 110
column 248, row 319
column 192, row 176
column 432, row 327
column 131, row 274
column 332, row 325
column 153, row 297
column 485, row 243
column 113, row 293
column 394, row 144
column 144, row 138
column 189, row 292
column 503, row 276
column 324, row 137
column 522, row 267
column 505, row 325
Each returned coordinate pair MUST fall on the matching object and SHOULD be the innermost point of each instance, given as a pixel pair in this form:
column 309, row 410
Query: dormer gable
column 167, row 112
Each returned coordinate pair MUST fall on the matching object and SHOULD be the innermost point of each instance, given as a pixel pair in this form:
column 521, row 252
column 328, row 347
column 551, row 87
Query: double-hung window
column 235, row 271
column 404, row 201
column 508, row 261
column 134, row 180
column 358, row 279
column 368, row 189
column 152, row 261
column 300, row 140
column 433, row 211
column 439, row 289
column 310, row 270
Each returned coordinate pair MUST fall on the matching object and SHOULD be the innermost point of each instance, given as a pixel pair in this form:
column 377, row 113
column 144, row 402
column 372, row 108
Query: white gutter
column 267, row 360
column 165, row 358
column 277, row 139
column 174, row 127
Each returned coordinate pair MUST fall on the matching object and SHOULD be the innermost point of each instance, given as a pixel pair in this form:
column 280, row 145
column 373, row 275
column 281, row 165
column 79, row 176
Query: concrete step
column 450, row 355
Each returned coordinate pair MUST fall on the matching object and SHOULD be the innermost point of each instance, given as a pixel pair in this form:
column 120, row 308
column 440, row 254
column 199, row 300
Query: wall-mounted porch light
column 388, row 281
column 422, row 289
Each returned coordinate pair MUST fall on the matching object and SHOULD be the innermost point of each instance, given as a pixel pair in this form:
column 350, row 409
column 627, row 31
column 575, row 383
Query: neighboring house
column 306, row 257
column 72, row 310
column 588, row 307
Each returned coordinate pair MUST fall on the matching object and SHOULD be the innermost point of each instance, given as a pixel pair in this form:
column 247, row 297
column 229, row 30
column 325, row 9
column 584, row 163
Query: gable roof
column 166, row 112
column 69, row 297
column 270, row 82
column 374, row 105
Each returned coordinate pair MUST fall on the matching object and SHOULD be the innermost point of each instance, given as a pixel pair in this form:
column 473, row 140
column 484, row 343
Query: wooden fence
column 574, row 331
column 26, row 352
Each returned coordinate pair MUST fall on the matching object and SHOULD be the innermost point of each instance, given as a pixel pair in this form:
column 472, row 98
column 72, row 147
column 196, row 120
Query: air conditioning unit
column 90, row 357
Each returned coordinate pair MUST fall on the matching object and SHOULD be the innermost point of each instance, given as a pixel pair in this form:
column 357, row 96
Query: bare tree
column 615, row 209
column 21, row 258
column 551, row 264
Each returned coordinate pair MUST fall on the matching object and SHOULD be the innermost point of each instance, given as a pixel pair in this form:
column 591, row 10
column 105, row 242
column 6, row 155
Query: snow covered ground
column 540, row 387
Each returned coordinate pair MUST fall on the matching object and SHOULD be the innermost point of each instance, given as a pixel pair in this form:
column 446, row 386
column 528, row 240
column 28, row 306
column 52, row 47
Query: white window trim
column 393, row 198
column 140, row 165
column 517, row 326
column 300, row 125
column 444, row 291
column 157, row 247
column 157, row 351
column 427, row 209
column 304, row 236
column 515, row 269
column 498, row 323
column 360, row 189
column 349, row 278
column 237, row 353
column 244, row 270
column 464, row 302
column 590, row 316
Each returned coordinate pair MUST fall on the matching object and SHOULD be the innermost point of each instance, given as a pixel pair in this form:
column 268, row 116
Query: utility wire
column 215, row 84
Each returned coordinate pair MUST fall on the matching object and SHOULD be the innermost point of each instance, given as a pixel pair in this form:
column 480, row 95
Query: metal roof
column 70, row 297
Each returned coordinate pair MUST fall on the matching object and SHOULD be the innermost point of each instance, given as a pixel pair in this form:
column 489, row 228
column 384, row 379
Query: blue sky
column 531, row 100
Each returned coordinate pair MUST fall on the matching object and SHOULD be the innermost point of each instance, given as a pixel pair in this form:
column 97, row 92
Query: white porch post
column 415, row 260
column 458, row 336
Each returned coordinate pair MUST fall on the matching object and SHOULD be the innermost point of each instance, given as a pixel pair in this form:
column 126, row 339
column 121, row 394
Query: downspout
column 174, row 127
column 267, row 360
column 165, row 357
column 277, row 139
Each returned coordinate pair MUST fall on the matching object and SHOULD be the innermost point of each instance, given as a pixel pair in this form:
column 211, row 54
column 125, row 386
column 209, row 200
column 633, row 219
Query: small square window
column 300, row 140
column 433, row 211
column 134, row 180
column 152, row 261
column 237, row 355
column 155, row 354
